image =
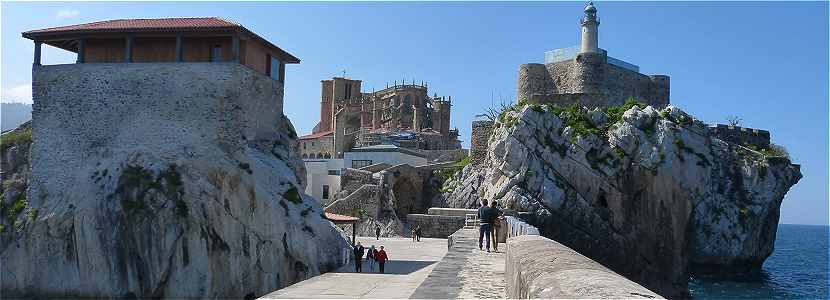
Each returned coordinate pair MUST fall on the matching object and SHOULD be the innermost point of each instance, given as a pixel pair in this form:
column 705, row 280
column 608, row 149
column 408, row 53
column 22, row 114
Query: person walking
column 497, row 223
column 358, row 257
column 370, row 257
column 377, row 232
column 418, row 233
column 381, row 258
column 485, row 216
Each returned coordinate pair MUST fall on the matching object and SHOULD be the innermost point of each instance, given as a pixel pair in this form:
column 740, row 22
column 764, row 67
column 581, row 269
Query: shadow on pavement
column 393, row 267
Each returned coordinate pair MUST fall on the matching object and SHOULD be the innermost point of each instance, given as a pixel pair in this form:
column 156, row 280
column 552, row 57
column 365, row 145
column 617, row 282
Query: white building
column 323, row 175
column 323, row 178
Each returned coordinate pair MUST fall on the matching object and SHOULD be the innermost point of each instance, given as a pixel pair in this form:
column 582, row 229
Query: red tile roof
column 143, row 25
column 166, row 25
column 316, row 135
column 340, row 218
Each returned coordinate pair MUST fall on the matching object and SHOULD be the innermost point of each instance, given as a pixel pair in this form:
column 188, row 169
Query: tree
column 734, row 120
column 492, row 113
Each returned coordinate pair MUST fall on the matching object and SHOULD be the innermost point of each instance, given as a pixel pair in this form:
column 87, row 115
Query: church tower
column 590, row 34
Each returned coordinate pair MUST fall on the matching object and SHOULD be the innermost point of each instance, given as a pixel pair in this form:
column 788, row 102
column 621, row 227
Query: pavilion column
column 128, row 54
column 36, row 61
column 235, row 47
column 179, row 48
column 81, row 47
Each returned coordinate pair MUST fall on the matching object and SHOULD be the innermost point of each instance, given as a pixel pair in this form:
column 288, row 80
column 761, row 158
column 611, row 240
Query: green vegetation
column 18, row 205
column 597, row 161
column 773, row 150
column 615, row 113
column 463, row 162
column 702, row 160
column 14, row 138
column 246, row 167
column 305, row 212
column 292, row 195
column 32, row 214
column 358, row 213
column 181, row 208
column 136, row 182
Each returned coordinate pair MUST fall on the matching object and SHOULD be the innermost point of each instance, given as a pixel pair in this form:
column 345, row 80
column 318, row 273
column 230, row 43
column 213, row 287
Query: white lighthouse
column 590, row 34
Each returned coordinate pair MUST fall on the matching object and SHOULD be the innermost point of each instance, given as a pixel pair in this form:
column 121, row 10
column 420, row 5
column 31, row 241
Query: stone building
column 160, row 160
column 208, row 39
column 757, row 138
column 402, row 114
column 586, row 75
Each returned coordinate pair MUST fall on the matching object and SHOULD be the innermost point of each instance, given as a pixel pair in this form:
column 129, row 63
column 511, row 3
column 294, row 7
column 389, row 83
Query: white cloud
column 21, row 94
column 67, row 14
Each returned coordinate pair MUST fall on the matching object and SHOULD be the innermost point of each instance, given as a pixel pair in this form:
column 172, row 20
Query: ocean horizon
column 797, row 269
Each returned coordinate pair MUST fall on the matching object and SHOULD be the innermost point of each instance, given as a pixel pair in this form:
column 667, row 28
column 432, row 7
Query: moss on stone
column 292, row 195
column 136, row 183
column 32, row 214
column 18, row 205
column 246, row 167
column 15, row 137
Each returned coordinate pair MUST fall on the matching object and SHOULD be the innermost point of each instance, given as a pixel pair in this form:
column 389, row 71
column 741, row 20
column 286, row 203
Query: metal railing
column 517, row 227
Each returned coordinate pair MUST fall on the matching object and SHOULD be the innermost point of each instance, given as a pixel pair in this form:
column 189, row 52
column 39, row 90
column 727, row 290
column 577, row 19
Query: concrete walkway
column 409, row 265
column 466, row 272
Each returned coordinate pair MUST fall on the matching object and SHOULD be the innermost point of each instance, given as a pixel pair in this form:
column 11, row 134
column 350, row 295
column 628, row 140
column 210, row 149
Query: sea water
column 797, row 269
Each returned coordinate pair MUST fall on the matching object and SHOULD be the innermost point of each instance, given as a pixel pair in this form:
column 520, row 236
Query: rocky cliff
column 648, row 193
column 170, row 193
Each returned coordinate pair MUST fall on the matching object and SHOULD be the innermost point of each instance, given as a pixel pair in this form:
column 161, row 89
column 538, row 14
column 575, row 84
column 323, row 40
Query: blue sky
column 766, row 62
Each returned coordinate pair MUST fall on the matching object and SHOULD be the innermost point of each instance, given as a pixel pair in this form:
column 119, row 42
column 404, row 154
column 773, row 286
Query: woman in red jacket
column 381, row 258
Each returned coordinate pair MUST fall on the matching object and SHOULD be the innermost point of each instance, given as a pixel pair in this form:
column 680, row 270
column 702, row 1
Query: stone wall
column 353, row 179
column 435, row 226
column 455, row 212
column 163, row 180
column 590, row 80
column 478, row 141
column 538, row 267
column 168, row 103
column 437, row 156
column 741, row 135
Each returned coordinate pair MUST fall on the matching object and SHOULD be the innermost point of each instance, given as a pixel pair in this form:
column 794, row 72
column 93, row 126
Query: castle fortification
column 586, row 75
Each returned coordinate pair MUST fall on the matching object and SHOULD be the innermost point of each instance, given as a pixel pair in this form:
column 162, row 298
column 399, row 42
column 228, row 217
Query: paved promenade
column 466, row 272
column 409, row 265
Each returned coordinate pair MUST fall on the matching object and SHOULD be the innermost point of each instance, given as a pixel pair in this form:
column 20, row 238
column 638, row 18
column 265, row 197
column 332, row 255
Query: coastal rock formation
column 646, row 192
column 168, row 193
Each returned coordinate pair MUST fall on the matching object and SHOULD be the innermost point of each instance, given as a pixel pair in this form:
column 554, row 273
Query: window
column 325, row 191
column 348, row 90
column 359, row 163
column 274, row 67
column 304, row 145
column 334, row 172
column 216, row 53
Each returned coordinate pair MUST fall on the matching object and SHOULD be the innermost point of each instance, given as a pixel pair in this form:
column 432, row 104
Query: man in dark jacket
column 358, row 257
column 486, row 217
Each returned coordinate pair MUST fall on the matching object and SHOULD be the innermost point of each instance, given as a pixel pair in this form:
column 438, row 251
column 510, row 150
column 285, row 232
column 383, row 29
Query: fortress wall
column 89, row 110
column 533, row 79
column 741, row 135
column 479, row 141
column 621, row 84
column 662, row 88
column 435, row 226
column 538, row 267
column 353, row 179
column 591, row 81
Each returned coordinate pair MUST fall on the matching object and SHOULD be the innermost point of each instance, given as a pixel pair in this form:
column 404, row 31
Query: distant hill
column 14, row 114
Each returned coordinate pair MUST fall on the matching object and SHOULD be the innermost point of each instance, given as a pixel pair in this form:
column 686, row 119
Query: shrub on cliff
column 15, row 137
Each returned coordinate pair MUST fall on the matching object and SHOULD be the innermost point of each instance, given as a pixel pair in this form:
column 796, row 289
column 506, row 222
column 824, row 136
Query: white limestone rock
column 649, row 197
column 193, row 222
